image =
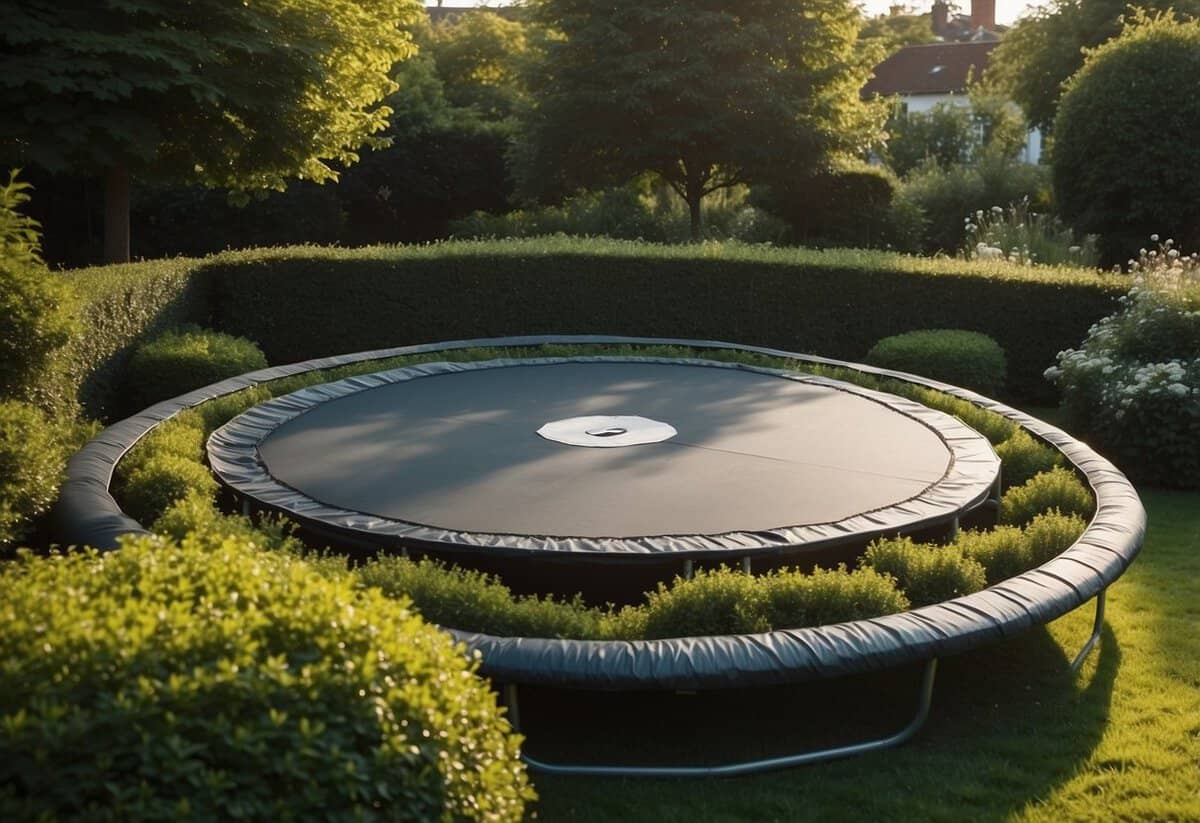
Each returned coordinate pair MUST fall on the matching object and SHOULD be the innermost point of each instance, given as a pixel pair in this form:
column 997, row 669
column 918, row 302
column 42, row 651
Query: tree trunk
column 693, row 201
column 116, row 215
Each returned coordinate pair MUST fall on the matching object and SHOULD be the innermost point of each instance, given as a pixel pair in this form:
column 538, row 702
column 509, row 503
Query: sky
column 1006, row 10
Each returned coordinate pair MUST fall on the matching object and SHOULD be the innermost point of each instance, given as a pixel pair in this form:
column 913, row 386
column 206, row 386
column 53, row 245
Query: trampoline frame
column 87, row 514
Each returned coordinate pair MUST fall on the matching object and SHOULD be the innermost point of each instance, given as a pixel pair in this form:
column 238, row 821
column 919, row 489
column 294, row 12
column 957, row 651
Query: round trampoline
column 605, row 459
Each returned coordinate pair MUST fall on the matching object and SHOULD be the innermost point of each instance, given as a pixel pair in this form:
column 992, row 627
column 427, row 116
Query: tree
column 895, row 31
column 706, row 94
column 1040, row 54
column 1126, row 160
column 948, row 134
column 238, row 95
column 478, row 57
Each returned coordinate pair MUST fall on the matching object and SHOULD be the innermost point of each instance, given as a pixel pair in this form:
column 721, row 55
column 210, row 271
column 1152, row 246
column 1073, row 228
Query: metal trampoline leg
column 1097, row 626
column 747, row 767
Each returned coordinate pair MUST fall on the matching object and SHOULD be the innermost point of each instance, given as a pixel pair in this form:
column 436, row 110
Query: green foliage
column 479, row 58
column 236, row 684
column 1035, row 60
column 827, row 596
column 185, row 359
column 715, row 601
column 926, row 574
column 1139, row 173
column 1003, row 552
column 943, row 136
column 1133, row 385
column 690, row 91
column 194, row 515
column 961, row 358
column 847, row 300
column 33, row 456
column 1020, row 235
column 1023, row 457
column 242, row 96
column 37, row 308
column 161, row 480
column 945, row 196
column 996, row 428
column 1055, row 490
column 1050, row 534
column 181, row 436
column 848, row 204
column 473, row 601
column 893, row 32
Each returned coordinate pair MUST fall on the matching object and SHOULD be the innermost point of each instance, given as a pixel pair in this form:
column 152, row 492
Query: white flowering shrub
column 1134, row 384
column 1018, row 234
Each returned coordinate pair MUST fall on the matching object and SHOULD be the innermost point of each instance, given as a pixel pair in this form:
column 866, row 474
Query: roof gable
column 937, row 68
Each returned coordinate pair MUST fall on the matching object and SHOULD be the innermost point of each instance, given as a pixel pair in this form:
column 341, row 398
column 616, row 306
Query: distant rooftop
column 937, row 68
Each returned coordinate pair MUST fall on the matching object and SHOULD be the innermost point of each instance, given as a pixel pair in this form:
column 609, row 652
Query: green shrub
column 194, row 515
column 925, row 573
column 236, row 684
column 1140, row 173
column 1050, row 534
column 38, row 309
column 1023, row 457
column 1058, row 489
column 1133, row 386
column 795, row 600
column 474, row 601
column 1002, row 551
column 961, row 358
column 718, row 601
column 159, row 481
column 187, row 359
column 1018, row 234
column 181, row 436
column 33, row 458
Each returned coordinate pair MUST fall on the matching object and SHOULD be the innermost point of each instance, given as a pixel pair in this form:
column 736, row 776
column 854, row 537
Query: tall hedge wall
column 306, row 302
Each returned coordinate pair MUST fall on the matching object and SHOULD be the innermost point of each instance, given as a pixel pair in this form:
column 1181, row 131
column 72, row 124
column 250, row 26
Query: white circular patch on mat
column 607, row 431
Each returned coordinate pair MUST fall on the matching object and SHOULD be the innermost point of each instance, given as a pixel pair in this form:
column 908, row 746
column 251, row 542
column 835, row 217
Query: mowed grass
column 1014, row 735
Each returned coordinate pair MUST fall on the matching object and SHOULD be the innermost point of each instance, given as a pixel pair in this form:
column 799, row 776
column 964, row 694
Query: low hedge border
column 1063, row 583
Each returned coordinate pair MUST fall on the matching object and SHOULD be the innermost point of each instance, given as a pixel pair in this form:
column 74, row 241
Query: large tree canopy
column 1036, row 58
column 704, row 93
column 241, row 95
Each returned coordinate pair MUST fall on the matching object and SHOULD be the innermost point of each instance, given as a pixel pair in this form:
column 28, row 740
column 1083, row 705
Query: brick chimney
column 983, row 15
column 941, row 17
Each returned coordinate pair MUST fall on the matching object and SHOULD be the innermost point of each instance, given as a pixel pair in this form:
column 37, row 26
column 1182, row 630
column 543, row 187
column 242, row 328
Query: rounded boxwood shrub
column 1003, row 551
column 1056, row 490
column 186, row 359
column 191, row 681
column 795, row 600
column 159, row 481
column 961, row 358
column 716, row 601
column 1023, row 457
column 1050, row 534
column 32, row 460
column 926, row 573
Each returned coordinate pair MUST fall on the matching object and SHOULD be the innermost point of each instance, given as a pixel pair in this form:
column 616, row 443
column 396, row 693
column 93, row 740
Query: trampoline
column 661, row 463
column 87, row 514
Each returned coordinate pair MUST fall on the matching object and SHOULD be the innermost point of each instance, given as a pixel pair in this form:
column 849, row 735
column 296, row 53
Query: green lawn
column 1013, row 734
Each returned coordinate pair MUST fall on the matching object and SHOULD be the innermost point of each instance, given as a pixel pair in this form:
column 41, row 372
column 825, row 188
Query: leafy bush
column 1055, row 490
column 1022, row 236
column 33, row 457
column 236, row 683
column 1022, row 457
column 194, row 515
column 1003, row 552
column 847, row 205
column 1133, row 386
column 1139, row 173
column 925, row 573
column 1050, row 534
column 794, row 600
column 160, row 480
column 474, row 601
column 946, row 195
column 715, row 601
column 186, row 359
column 37, row 308
column 961, row 358
column 181, row 436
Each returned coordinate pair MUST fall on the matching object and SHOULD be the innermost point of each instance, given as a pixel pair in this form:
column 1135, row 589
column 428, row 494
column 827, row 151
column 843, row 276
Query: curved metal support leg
column 746, row 767
column 1097, row 626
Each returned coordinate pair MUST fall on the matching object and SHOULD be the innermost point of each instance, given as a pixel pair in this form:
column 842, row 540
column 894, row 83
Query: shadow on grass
column 1008, row 725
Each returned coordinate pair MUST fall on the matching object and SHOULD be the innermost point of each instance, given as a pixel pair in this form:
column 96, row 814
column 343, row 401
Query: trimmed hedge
column 308, row 302
column 1057, row 490
column 237, row 684
column 33, row 458
column 928, row 574
column 184, row 359
column 961, row 358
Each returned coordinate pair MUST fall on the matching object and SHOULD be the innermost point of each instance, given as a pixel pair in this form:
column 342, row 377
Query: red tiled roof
column 938, row 68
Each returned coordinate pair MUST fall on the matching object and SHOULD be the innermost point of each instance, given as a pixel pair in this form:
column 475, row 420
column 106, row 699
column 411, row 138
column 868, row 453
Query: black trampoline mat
column 460, row 451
